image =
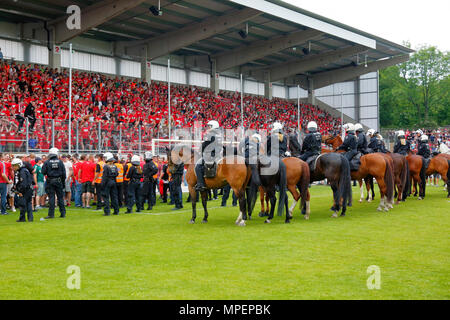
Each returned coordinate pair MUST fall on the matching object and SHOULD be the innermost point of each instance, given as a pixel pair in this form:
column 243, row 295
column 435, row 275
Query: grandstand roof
column 275, row 36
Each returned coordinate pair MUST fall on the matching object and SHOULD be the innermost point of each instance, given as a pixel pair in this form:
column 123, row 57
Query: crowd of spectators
column 122, row 110
column 435, row 137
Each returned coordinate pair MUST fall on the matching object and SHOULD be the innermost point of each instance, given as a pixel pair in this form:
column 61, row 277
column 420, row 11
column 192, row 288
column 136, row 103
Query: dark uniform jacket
column 312, row 143
column 248, row 148
column 279, row 148
column 23, row 180
column 54, row 168
column 424, row 150
column 150, row 170
column 134, row 175
column 110, row 172
column 402, row 149
column 213, row 141
column 350, row 143
column 177, row 174
column 294, row 145
column 362, row 143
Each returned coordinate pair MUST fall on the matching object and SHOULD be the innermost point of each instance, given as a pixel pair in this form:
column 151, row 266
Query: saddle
column 355, row 162
column 210, row 170
column 311, row 161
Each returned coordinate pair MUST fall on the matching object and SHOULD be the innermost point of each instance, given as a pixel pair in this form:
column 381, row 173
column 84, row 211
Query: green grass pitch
column 158, row 255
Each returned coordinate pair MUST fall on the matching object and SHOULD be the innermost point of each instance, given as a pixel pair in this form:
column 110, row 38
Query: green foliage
column 416, row 93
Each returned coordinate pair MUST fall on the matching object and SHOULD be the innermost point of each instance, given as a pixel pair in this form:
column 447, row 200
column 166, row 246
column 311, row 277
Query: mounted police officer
column 249, row 148
column 402, row 146
column 350, row 144
column 312, row 144
column 134, row 176
column 362, row 141
column 55, row 171
column 150, row 169
column 424, row 149
column 277, row 141
column 294, row 145
column 23, row 188
column 211, row 148
column 108, row 185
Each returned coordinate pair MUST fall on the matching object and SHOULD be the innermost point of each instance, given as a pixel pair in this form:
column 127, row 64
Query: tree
column 416, row 93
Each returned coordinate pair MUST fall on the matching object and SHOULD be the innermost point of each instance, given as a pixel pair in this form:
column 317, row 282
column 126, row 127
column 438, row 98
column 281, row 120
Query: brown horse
column 230, row 170
column 372, row 165
column 418, row 176
column 441, row 164
column 297, row 176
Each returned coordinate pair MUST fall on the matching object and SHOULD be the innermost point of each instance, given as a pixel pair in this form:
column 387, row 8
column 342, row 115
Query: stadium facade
column 281, row 50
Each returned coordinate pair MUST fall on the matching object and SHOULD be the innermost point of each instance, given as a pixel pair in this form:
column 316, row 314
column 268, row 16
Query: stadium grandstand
column 279, row 61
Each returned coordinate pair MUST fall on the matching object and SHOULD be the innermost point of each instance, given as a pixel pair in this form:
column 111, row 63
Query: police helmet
column 424, row 138
column 312, row 126
column 371, row 132
column 148, row 155
column 16, row 161
column 257, row 137
column 135, row 160
column 53, row 151
column 401, row 134
column 359, row 127
column 213, row 124
column 108, row 157
column 277, row 127
column 350, row 127
column 419, row 132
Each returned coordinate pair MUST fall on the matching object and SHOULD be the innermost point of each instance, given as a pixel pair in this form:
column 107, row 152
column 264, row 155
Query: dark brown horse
column 441, row 164
column 230, row 170
column 372, row 165
column 417, row 171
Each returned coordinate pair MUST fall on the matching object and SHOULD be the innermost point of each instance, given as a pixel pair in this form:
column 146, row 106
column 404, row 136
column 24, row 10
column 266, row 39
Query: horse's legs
column 193, row 195
column 266, row 213
column 296, row 195
column 383, row 190
column 361, row 188
column 261, row 198
column 336, row 201
column 273, row 201
column 205, row 205
column 415, row 178
column 308, row 207
column 369, row 189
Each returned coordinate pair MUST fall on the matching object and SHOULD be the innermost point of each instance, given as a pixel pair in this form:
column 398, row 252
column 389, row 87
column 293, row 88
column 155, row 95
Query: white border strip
column 296, row 17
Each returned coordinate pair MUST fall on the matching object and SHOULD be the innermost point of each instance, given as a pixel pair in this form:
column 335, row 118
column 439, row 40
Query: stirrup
column 200, row 188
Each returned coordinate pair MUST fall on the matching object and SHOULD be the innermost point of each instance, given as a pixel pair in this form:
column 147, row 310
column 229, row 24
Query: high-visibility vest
column 127, row 165
column 119, row 178
column 155, row 176
column 99, row 178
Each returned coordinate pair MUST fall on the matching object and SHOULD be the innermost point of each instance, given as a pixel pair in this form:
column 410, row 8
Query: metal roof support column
column 267, row 85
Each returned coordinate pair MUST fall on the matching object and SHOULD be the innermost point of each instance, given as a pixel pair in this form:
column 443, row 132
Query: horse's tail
column 448, row 179
column 345, row 184
column 389, row 181
column 423, row 177
column 407, row 188
column 251, row 201
column 404, row 176
column 283, row 187
column 303, row 184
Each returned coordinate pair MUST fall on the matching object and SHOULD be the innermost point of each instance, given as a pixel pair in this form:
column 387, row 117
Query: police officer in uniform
column 250, row 148
column 350, row 144
column 108, row 185
column 277, row 134
column 402, row 146
column 23, row 188
column 150, row 169
column 424, row 149
column 177, row 177
column 362, row 141
column 294, row 145
column 373, row 141
column 55, row 171
column 312, row 144
column 213, row 142
column 134, row 175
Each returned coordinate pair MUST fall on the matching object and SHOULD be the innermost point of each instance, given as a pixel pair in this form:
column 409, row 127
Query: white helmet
column 349, row 127
column 276, row 126
column 424, row 138
column 108, row 156
column 135, row 160
column 53, row 151
column 371, row 132
column 401, row 133
column 16, row 161
column 359, row 127
column 419, row 132
column 148, row 155
column 380, row 137
column 213, row 124
column 257, row 136
column 312, row 125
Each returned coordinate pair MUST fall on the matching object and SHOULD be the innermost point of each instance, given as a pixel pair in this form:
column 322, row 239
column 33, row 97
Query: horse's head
column 334, row 141
column 177, row 155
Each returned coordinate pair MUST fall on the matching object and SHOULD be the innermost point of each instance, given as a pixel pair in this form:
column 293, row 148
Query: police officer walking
column 134, row 176
column 350, row 144
column 402, row 146
column 312, row 144
column 213, row 142
column 55, row 171
column 150, row 169
column 362, row 141
column 23, row 188
column 108, row 185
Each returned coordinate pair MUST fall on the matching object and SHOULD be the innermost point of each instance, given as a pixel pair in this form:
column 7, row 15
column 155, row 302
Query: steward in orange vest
column 119, row 180
column 98, row 179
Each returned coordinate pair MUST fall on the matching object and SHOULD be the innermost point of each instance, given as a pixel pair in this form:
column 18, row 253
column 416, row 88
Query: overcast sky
column 420, row 22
